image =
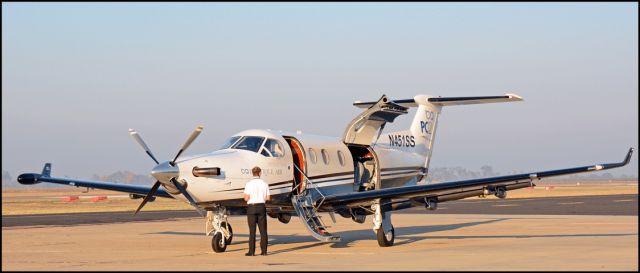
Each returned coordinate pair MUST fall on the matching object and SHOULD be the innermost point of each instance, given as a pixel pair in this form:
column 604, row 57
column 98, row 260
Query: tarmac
column 621, row 204
column 425, row 240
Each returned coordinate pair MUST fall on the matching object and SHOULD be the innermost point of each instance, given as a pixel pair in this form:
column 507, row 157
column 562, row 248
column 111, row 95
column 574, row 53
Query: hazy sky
column 75, row 77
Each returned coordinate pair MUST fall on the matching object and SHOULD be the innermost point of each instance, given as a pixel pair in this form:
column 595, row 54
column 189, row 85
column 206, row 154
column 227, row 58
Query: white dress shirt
column 258, row 190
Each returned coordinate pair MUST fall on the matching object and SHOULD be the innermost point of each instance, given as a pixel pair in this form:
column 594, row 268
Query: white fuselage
column 327, row 162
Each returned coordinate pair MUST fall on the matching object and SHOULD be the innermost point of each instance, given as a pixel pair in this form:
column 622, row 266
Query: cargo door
column 369, row 124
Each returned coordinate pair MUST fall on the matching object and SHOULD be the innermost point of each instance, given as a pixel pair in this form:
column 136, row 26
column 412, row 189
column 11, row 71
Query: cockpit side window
column 274, row 147
column 249, row 143
column 230, row 142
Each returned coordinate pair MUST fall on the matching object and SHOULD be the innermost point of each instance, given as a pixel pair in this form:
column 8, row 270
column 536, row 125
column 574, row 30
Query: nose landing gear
column 218, row 225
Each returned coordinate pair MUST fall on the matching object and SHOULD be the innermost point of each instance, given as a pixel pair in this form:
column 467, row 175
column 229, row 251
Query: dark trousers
column 257, row 213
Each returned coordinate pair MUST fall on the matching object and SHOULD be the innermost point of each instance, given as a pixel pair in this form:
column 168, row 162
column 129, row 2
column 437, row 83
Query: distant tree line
column 125, row 177
column 458, row 173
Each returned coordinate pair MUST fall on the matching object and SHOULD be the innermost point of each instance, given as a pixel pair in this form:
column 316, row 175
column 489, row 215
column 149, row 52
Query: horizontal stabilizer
column 448, row 101
column 445, row 101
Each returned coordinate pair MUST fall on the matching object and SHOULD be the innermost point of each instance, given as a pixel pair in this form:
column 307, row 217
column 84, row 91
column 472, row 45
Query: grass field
column 43, row 201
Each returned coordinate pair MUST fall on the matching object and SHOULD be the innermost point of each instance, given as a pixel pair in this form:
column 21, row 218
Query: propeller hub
column 164, row 172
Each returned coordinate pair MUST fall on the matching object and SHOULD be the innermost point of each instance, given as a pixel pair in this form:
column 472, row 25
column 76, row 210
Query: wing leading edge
column 453, row 190
column 34, row 178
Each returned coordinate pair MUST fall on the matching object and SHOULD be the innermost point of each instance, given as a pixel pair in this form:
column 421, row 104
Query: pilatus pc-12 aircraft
column 363, row 173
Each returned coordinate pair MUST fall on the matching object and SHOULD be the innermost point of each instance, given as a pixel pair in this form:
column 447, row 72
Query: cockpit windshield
column 269, row 147
column 249, row 143
column 230, row 142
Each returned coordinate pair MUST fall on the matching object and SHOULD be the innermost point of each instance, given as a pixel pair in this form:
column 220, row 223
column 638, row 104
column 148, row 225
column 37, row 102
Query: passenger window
column 325, row 156
column 312, row 155
column 341, row 158
column 274, row 147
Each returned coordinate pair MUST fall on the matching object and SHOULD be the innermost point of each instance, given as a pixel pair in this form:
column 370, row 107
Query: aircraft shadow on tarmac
column 404, row 235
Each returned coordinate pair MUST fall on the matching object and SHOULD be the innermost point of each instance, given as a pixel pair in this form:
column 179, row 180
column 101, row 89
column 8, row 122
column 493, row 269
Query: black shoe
column 249, row 254
column 263, row 254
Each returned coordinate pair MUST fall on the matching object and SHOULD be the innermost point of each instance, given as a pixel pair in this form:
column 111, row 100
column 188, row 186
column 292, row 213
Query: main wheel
column 387, row 239
column 284, row 218
column 228, row 241
column 218, row 243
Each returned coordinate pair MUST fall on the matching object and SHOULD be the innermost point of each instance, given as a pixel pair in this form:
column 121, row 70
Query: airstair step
column 311, row 220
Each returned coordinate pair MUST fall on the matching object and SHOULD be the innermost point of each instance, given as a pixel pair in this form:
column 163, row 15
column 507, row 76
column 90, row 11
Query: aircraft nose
column 164, row 172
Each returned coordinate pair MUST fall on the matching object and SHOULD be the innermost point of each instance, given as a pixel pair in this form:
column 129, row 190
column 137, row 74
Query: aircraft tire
column 284, row 219
column 228, row 241
column 383, row 241
column 216, row 243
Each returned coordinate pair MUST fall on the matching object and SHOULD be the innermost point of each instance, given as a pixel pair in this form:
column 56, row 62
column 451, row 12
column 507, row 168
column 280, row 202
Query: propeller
column 186, row 144
column 172, row 163
column 148, row 196
column 137, row 137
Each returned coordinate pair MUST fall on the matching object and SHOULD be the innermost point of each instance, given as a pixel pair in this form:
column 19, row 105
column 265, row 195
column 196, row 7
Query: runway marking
column 506, row 205
column 571, row 203
column 625, row 200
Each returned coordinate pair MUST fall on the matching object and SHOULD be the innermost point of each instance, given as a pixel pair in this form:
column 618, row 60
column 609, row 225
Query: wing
column 35, row 178
column 454, row 190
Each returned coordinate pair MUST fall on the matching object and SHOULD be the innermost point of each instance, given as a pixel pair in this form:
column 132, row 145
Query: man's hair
column 256, row 171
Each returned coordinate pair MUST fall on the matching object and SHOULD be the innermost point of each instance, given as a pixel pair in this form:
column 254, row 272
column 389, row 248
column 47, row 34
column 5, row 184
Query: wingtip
column 628, row 157
column 514, row 96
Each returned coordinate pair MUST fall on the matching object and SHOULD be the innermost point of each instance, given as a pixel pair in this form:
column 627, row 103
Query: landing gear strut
column 218, row 225
column 382, row 226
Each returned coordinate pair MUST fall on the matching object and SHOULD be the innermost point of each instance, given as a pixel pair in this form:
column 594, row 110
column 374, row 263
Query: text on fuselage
column 402, row 141
column 265, row 172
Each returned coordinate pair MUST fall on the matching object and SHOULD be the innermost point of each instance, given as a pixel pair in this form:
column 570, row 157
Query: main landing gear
column 382, row 226
column 218, row 225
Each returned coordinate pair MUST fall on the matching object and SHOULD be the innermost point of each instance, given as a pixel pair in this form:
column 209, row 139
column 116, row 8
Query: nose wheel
column 230, row 231
column 218, row 225
column 219, row 242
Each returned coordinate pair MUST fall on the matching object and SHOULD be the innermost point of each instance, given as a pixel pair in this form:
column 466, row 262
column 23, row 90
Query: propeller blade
column 149, row 196
column 137, row 137
column 187, row 143
column 186, row 194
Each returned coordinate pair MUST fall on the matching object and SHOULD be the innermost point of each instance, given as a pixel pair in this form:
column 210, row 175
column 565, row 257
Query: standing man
column 256, row 193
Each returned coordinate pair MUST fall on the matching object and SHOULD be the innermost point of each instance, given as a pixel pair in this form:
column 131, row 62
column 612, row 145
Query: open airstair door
column 368, row 124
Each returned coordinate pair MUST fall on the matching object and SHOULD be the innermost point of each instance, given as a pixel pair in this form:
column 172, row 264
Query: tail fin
column 423, row 128
column 46, row 171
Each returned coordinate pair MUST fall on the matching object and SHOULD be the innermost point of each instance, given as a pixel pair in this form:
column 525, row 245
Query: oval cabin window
column 341, row 158
column 312, row 155
column 325, row 156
